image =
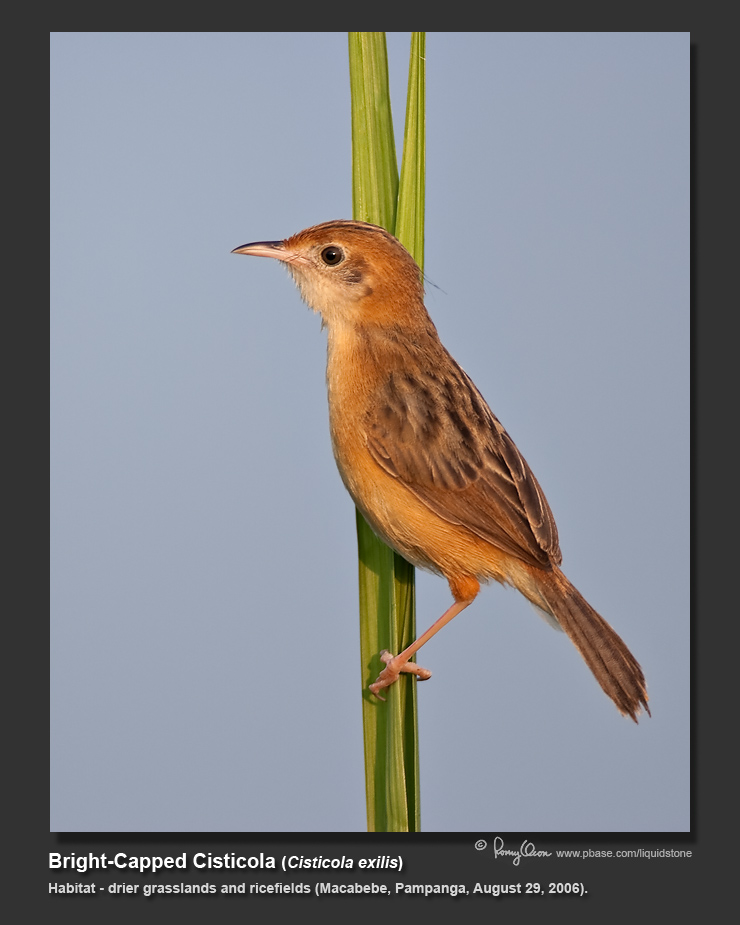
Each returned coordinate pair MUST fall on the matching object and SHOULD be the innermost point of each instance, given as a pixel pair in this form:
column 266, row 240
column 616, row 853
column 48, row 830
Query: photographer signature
column 526, row 850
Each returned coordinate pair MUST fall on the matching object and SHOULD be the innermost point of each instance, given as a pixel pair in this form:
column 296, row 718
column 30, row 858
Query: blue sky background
column 205, row 643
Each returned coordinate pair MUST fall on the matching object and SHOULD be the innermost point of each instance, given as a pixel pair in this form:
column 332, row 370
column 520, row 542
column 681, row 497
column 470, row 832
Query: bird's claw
column 389, row 675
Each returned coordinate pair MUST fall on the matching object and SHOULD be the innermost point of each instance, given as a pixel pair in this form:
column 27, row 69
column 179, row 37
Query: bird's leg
column 395, row 664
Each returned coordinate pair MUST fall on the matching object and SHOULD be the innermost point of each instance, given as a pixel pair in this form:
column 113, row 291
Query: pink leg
column 400, row 663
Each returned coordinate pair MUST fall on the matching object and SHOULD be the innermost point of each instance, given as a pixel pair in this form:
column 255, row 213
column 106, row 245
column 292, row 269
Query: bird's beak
column 277, row 249
column 274, row 249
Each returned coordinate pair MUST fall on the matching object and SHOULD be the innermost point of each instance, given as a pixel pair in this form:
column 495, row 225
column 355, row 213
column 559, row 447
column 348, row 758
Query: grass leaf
column 386, row 580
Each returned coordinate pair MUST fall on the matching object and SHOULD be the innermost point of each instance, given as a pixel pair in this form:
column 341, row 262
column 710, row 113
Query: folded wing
column 434, row 432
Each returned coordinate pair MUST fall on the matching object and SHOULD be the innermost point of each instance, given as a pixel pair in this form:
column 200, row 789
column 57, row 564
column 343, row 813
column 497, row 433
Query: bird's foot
column 393, row 668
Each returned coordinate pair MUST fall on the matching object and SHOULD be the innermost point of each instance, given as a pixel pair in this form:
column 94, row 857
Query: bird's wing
column 434, row 432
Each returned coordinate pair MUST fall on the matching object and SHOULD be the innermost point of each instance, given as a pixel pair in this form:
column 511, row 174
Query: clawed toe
column 389, row 675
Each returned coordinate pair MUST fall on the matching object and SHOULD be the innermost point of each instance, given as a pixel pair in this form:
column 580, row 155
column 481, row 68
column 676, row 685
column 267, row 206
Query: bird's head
column 351, row 273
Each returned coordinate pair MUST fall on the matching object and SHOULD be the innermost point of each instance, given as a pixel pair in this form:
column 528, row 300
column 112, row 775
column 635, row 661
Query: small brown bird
column 426, row 461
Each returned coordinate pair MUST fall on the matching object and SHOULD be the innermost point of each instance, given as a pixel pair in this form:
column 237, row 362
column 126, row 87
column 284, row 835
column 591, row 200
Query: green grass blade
column 387, row 590
column 410, row 232
column 374, row 165
column 410, row 212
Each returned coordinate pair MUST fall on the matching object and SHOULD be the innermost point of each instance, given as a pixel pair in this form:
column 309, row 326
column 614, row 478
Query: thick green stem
column 387, row 588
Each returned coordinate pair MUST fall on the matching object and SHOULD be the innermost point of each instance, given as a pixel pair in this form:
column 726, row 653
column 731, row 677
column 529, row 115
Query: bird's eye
column 332, row 255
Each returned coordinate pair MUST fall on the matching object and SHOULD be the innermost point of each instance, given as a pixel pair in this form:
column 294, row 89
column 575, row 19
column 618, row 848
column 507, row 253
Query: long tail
column 612, row 663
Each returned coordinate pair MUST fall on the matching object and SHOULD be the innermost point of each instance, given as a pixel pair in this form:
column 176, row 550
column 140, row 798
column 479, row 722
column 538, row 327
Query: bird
column 427, row 463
